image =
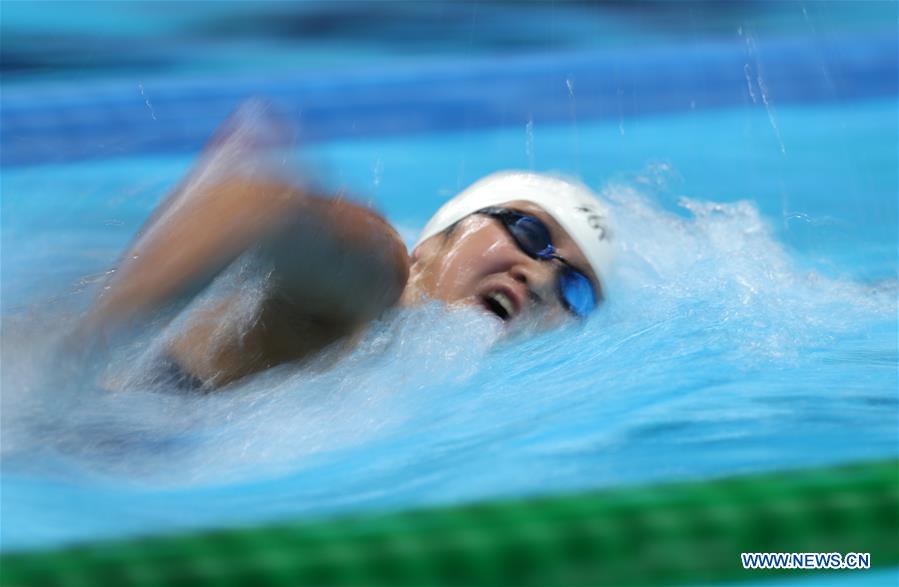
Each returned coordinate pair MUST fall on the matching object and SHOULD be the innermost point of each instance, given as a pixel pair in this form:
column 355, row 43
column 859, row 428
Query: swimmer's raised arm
column 181, row 250
column 333, row 269
column 333, row 266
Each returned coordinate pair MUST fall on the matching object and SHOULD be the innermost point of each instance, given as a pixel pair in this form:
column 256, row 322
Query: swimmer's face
column 479, row 264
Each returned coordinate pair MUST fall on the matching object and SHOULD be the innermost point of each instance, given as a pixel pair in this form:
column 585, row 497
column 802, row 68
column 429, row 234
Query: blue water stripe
column 63, row 122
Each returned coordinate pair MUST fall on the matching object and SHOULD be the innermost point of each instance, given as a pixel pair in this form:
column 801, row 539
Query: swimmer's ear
column 426, row 249
column 432, row 244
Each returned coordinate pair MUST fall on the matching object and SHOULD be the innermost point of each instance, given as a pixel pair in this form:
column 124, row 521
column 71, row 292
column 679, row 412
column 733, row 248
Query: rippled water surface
column 751, row 325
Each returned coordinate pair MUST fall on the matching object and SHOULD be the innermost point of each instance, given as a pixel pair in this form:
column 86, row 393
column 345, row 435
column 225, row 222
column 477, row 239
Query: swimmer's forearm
column 180, row 253
column 332, row 262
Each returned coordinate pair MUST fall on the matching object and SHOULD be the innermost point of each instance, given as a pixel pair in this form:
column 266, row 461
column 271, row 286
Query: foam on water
column 119, row 419
column 715, row 354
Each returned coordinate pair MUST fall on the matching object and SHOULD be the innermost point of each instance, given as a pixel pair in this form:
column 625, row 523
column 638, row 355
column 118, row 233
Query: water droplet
column 529, row 141
column 140, row 86
column 377, row 171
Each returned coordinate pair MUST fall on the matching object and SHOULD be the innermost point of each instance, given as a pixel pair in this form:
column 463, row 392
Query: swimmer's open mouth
column 500, row 304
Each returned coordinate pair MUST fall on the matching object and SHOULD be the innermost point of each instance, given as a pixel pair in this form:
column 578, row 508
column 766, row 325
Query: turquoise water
column 866, row 578
column 748, row 151
column 751, row 326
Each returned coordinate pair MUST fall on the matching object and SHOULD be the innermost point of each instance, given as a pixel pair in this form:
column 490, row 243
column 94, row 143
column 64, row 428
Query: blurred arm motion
column 333, row 265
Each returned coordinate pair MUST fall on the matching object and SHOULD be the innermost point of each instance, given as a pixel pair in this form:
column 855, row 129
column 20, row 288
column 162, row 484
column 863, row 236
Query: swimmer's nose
column 537, row 277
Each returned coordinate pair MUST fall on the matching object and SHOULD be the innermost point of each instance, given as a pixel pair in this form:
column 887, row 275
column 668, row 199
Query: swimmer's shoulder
column 342, row 260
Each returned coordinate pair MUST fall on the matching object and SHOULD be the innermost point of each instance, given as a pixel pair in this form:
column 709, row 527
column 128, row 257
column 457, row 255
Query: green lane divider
column 658, row 535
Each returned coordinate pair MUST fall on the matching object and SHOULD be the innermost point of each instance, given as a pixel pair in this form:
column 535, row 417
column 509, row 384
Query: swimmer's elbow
column 342, row 262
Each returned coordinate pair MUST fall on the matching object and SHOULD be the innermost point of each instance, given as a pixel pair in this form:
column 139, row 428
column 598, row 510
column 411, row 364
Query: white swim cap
column 583, row 216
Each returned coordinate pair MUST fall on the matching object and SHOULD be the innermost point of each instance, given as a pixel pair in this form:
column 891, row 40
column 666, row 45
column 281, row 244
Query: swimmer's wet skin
column 351, row 267
column 514, row 243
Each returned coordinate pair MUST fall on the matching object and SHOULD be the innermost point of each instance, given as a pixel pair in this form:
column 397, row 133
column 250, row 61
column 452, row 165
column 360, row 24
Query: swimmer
column 515, row 244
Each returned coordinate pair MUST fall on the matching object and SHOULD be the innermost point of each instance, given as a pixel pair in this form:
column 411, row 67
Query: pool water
column 751, row 325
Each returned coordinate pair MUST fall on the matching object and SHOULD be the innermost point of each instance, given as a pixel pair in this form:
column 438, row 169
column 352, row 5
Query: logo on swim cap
column 595, row 220
column 584, row 217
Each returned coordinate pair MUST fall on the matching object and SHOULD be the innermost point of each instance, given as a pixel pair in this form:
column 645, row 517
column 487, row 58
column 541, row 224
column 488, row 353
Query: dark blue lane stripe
column 43, row 124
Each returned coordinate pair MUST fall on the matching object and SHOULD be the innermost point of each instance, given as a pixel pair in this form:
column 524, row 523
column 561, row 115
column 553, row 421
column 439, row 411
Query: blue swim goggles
column 532, row 237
